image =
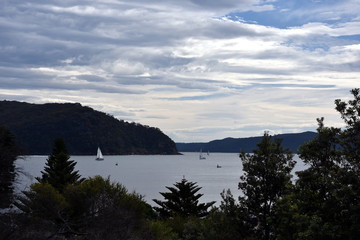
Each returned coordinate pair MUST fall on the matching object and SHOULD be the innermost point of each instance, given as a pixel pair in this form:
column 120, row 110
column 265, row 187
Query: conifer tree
column 182, row 200
column 8, row 154
column 59, row 170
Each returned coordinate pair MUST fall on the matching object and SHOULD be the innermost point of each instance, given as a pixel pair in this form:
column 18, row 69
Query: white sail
column 99, row 155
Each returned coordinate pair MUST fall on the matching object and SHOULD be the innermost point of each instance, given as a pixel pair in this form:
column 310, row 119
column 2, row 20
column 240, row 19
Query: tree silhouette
column 59, row 170
column 8, row 155
column 182, row 200
column 327, row 192
column 265, row 180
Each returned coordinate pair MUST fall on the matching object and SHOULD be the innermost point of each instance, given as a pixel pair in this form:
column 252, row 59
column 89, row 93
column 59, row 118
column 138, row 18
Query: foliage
column 325, row 202
column 182, row 200
column 8, row 154
column 43, row 201
column 350, row 137
column 82, row 128
column 106, row 210
column 93, row 209
column 265, row 180
column 226, row 221
column 59, row 170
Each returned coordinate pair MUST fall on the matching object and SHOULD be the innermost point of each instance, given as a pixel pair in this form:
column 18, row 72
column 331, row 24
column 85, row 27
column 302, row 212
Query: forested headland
column 233, row 145
column 35, row 126
column 321, row 203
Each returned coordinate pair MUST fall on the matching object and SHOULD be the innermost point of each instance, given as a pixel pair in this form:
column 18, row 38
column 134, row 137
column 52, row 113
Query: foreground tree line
column 321, row 203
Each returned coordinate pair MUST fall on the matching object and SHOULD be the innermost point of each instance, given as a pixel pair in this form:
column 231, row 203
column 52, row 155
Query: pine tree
column 182, row 200
column 8, row 154
column 59, row 170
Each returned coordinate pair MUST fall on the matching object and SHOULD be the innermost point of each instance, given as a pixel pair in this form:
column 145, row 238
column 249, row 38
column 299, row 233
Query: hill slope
column 83, row 129
column 234, row 145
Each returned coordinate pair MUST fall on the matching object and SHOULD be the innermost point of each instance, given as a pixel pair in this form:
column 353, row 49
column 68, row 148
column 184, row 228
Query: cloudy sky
column 197, row 69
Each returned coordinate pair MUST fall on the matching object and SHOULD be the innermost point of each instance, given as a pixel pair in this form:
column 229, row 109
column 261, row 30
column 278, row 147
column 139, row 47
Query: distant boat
column 218, row 166
column 201, row 157
column 99, row 155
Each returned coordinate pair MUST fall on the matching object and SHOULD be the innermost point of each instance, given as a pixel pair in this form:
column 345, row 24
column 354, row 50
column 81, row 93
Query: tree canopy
column 60, row 170
column 327, row 193
column 182, row 200
column 267, row 175
column 8, row 153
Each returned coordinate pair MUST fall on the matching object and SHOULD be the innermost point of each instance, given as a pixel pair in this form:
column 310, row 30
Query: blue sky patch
column 293, row 13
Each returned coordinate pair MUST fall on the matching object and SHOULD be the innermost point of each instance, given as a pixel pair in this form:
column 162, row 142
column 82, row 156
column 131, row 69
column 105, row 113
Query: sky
column 198, row 70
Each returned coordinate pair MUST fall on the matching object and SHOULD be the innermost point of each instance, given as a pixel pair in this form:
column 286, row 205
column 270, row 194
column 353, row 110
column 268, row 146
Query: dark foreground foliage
column 8, row 154
column 93, row 209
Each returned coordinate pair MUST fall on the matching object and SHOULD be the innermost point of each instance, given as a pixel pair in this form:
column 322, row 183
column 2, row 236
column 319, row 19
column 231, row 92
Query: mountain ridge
column 83, row 129
column 248, row 144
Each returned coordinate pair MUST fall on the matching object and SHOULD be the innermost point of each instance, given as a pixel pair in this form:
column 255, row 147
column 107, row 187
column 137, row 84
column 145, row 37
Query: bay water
column 149, row 175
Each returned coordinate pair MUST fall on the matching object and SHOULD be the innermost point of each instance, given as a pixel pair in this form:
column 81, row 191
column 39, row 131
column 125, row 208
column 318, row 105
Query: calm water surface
column 150, row 174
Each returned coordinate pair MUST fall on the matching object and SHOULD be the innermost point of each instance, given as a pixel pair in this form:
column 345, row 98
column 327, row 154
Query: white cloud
column 179, row 65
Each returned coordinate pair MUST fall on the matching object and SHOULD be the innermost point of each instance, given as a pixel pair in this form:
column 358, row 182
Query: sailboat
column 99, row 155
column 201, row 157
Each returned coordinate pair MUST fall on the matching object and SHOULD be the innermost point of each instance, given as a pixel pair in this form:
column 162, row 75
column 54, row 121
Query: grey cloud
column 13, row 78
column 198, row 97
column 217, row 4
column 92, row 78
column 171, row 81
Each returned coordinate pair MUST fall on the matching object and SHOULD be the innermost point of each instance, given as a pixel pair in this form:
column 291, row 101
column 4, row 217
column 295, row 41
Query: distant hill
column 83, row 129
column 234, row 145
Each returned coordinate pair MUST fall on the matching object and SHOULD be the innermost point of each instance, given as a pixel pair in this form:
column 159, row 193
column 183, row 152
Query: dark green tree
column 106, row 210
column 350, row 152
column 59, row 170
column 266, row 178
column 226, row 221
column 183, row 201
column 93, row 209
column 318, row 187
column 350, row 136
column 326, row 196
column 8, row 154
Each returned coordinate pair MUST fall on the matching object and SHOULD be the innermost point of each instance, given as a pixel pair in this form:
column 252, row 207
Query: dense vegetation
column 35, row 126
column 8, row 155
column 233, row 145
column 322, row 203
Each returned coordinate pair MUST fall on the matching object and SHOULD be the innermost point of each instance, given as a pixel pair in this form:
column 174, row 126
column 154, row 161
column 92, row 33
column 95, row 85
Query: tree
column 317, row 188
column 8, row 154
column 267, row 175
column 349, row 141
column 350, row 136
column 93, row 209
column 183, row 201
column 106, row 210
column 226, row 221
column 59, row 170
column 327, row 193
